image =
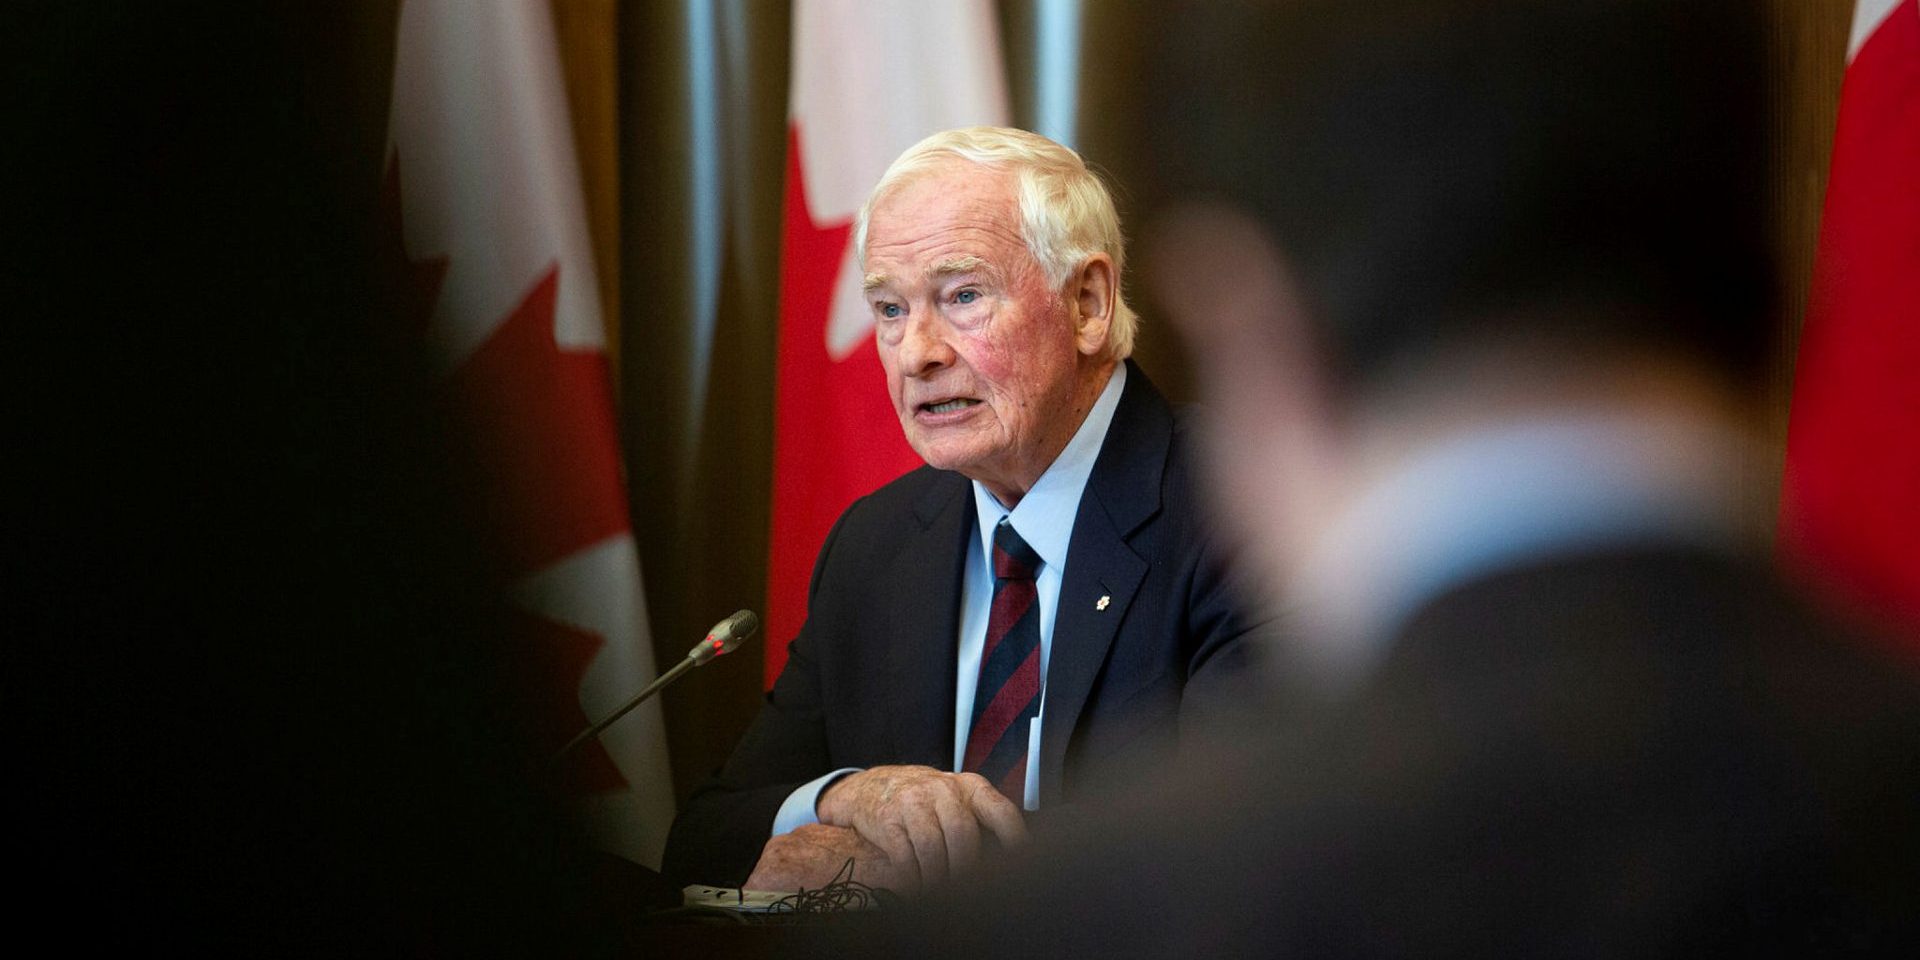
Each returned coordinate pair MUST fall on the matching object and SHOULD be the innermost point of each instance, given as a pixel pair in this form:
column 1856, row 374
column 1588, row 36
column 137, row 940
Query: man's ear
column 1096, row 294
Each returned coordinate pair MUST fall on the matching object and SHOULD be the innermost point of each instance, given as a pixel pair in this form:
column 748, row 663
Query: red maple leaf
column 555, row 657
column 835, row 434
column 537, row 438
column 538, row 456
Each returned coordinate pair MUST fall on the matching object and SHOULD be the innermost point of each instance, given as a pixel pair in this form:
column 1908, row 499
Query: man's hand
column 812, row 855
column 927, row 822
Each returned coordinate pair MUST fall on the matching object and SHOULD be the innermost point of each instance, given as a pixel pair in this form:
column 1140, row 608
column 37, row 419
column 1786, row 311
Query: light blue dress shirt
column 1043, row 518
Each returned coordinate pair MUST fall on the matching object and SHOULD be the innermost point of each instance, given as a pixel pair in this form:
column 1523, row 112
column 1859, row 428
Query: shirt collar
column 1044, row 517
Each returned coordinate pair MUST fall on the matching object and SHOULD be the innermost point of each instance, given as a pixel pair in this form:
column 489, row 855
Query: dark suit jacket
column 1649, row 753
column 871, row 678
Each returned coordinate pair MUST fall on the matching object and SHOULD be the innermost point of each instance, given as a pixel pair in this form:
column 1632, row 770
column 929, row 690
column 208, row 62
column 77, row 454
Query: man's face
column 982, row 359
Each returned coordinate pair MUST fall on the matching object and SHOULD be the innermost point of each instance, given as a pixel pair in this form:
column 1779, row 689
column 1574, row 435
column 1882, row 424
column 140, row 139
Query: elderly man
column 1035, row 613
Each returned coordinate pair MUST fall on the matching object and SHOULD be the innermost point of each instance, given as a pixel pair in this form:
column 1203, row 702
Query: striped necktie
column 1007, row 697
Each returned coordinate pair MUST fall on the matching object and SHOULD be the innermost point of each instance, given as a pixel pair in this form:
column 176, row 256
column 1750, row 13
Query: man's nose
column 923, row 346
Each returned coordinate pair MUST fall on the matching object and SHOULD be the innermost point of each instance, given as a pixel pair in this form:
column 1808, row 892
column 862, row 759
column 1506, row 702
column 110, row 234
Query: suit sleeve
column 1230, row 635
column 1228, row 639
column 718, row 836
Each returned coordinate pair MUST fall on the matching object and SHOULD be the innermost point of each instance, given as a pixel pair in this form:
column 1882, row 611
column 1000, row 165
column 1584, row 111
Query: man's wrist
column 822, row 804
column 802, row 805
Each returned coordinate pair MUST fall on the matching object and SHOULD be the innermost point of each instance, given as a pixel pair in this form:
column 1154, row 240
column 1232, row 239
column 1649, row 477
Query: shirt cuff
column 799, row 808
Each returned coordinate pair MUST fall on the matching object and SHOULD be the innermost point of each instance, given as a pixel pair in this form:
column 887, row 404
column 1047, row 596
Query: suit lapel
column 922, row 644
column 1103, row 571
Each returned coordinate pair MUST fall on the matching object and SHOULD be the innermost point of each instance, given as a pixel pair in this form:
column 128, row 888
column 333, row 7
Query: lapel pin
column 1101, row 604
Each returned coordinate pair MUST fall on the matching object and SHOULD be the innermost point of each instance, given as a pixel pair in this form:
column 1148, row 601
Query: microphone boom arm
column 723, row 638
column 651, row 689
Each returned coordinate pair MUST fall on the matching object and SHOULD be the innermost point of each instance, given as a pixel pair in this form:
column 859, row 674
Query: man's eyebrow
column 954, row 265
column 945, row 268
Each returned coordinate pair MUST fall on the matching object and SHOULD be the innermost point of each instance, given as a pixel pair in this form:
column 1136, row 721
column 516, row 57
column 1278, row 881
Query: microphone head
column 725, row 637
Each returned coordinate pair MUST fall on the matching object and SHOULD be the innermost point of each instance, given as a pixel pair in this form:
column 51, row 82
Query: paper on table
column 731, row 898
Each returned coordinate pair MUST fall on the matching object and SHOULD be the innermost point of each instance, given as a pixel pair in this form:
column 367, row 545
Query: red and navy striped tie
column 1008, row 695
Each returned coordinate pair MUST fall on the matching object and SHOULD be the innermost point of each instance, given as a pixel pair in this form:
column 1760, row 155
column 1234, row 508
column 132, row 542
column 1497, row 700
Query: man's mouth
column 948, row 406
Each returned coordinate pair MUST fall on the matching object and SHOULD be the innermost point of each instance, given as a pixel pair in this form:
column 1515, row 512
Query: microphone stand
column 621, row 883
column 651, row 689
column 725, row 636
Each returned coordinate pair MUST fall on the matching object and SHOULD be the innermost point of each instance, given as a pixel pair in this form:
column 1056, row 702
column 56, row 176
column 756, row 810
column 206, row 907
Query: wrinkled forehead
column 948, row 192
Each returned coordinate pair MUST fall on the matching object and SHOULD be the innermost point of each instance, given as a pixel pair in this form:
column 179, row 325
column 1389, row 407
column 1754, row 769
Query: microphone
column 725, row 637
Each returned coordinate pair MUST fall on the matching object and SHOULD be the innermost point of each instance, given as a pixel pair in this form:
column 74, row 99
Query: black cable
column 840, row 894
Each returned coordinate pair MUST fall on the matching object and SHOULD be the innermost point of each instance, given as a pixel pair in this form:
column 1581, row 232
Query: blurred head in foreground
column 1467, row 259
column 269, row 706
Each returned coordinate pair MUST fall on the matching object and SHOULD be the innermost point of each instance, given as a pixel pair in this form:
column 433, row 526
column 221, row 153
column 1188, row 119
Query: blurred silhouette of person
column 262, row 699
column 1478, row 292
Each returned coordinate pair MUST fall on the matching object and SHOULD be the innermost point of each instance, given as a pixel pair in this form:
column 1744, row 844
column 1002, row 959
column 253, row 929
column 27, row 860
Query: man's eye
column 890, row 310
column 966, row 296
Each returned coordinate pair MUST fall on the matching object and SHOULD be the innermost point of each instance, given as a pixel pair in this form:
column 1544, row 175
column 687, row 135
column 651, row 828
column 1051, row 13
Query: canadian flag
column 870, row 79
column 1850, row 509
column 482, row 176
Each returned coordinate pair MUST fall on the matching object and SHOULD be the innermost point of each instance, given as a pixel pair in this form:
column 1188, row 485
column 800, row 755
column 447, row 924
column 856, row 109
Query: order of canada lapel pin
column 1101, row 604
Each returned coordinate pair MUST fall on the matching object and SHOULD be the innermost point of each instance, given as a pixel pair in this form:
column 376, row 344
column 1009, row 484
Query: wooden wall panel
column 1807, row 58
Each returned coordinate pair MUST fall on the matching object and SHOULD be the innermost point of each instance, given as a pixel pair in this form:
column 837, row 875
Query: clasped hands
column 906, row 827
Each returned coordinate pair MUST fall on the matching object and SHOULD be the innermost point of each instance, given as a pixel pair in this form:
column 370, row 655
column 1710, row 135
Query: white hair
column 1066, row 212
